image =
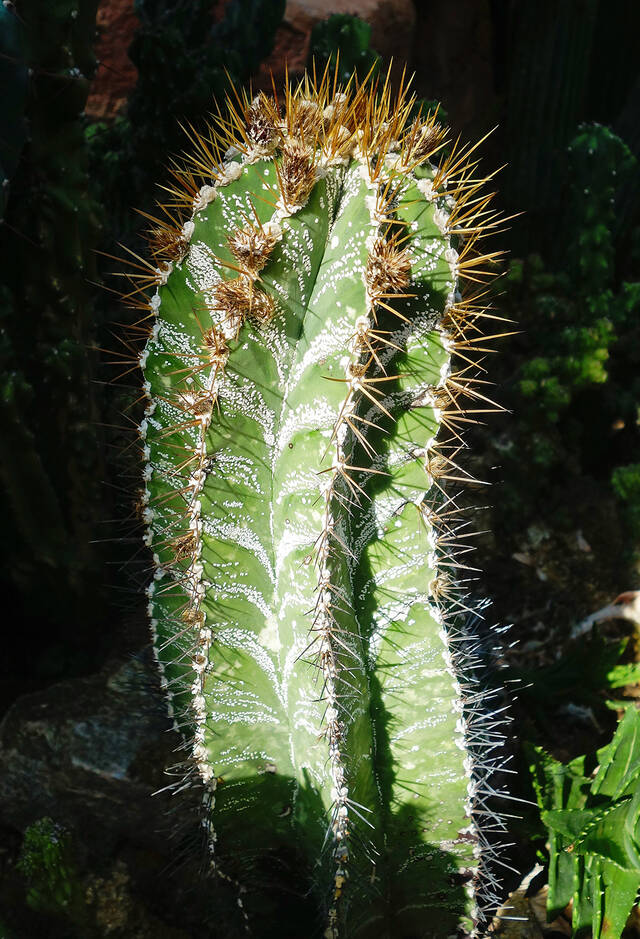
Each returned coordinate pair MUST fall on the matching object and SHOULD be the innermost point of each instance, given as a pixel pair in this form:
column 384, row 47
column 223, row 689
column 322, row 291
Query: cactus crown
column 300, row 438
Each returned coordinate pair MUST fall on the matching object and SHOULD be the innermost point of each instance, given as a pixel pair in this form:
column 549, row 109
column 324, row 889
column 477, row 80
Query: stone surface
column 89, row 752
column 392, row 24
column 118, row 912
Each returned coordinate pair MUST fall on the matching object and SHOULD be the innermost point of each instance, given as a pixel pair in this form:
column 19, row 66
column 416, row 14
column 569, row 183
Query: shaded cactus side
column 308, row 606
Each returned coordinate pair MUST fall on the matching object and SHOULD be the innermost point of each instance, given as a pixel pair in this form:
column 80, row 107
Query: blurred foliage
column 593, row 822
column 13, row 80
column 571, row 377
column 343, row 39
column 625, row 481
column 580, row 312
column 47, row 864
column 52, row 461
column 185, row 62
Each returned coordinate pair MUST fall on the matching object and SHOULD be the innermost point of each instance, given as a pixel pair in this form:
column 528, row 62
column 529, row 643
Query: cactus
column 548, row 56
column 302, row 424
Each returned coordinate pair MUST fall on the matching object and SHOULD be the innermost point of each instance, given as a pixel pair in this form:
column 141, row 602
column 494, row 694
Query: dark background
column 86, row 130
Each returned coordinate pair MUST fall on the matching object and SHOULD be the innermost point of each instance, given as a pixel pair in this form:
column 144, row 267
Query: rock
column 392, row 25
column 118, row 911
column 116, row 74
column 89, row 753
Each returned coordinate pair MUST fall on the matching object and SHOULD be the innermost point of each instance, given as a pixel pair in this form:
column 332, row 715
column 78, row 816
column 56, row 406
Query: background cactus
column 308, row 602
column 343, row 42
column 48, row 403
column 184, row 61
column 561, row 53
column 13, row 74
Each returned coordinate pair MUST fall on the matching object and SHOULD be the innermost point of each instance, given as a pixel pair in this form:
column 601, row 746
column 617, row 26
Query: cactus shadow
column 270, row 862
column 276, row 887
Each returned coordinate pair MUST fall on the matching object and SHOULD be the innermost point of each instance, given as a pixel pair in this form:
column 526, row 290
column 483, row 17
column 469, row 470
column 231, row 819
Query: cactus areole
column 300, row 445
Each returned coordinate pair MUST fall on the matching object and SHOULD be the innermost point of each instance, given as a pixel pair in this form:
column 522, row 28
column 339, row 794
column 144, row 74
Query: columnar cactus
column 308, row 598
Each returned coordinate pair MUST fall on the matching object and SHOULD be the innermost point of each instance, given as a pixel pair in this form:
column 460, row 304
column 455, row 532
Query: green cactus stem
column 302, row 426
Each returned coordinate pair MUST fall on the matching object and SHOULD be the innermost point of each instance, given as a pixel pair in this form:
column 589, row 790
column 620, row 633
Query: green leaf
column 594, row 832
column 620, row 760
column 604, row 835
column 571, row 823
column 558, row 785
column 618, row 890
column 622, row 675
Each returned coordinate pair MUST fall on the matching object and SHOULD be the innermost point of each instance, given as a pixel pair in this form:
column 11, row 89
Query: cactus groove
column 301, row 444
